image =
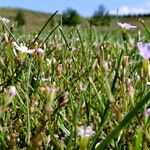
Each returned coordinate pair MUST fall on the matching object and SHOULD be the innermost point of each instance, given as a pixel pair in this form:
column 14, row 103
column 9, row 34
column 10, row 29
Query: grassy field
column 34, row 20
column 84, row 89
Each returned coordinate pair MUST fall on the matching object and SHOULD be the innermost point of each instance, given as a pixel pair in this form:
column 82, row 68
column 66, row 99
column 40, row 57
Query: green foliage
column 70, row 17
column 82, row 79
column 53, row 23
column 19, row 18
column 100, row 17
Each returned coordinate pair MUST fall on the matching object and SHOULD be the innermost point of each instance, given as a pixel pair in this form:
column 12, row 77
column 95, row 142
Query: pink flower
column 126, row 26
column 12, row 91
column 144, row 49
column 40, row 51
column 148, row 111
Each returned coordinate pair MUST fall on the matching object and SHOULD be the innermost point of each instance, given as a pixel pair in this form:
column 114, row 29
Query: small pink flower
column 40, row 51
column 126, row 26
column 148, row 111
column 12, row 91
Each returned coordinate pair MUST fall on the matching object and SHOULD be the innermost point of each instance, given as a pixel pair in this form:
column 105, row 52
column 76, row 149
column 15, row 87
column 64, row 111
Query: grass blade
column 49, row 35
column 123, row 123
column 51, row 17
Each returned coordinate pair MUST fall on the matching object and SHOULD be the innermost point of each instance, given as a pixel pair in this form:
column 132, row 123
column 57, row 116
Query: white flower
column 5, row 20
column 12, row 91
column 85, row 131
column 126, row 26
column 23, row 48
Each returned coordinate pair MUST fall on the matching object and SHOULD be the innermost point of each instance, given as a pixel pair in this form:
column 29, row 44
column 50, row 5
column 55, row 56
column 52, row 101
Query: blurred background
column 99, row 13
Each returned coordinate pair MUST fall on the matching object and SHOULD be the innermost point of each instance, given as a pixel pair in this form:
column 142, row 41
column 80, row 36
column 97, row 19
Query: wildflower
column 85, row 133
column 105, row 65
column 49, row 91
column 40, row 51
column 5, row 20
column 23, row 48
column 144, row 49
column 126, row 26
column 148, row 111
column 12, row 91
column 125, row 61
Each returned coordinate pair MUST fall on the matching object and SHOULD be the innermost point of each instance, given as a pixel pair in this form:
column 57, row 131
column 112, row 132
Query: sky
column 85, row 8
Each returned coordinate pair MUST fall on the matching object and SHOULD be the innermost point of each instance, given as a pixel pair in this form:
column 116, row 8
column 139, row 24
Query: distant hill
column 34, row 20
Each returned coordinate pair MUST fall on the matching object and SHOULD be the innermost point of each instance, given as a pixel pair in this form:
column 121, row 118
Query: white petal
column 5, row 20
column 23, row 48
column 81, row 131
column 89, row 131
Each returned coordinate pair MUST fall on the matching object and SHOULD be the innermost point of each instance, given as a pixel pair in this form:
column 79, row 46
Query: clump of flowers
column 85, row 133
column 126, row 26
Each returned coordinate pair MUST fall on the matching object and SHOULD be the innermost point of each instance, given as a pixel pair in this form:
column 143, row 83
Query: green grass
column 90, row 82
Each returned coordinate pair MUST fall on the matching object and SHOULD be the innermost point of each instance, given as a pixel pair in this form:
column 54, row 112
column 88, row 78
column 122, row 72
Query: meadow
column 82, row 88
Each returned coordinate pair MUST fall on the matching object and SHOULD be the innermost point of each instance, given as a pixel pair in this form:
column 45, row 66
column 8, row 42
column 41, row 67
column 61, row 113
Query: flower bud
column 148, row 111
column 125, row 61
column 105, row 65
column 12, row 91
column 40, row 51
